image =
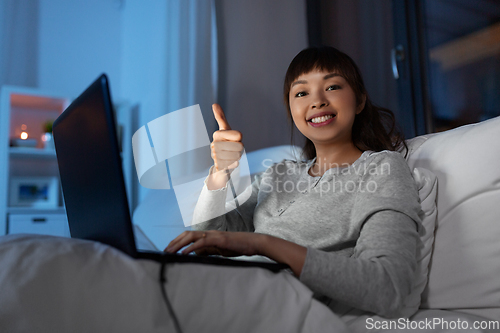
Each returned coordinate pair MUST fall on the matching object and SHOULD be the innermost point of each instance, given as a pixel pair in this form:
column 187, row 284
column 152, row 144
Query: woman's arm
column 213, row 213
column 378, row 276
column 210, row 211
column 283, row 251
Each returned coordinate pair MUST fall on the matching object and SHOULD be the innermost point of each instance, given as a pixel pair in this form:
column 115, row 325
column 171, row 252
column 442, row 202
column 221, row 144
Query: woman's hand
column 228, row 244
column 226, row 149
column 226, row 146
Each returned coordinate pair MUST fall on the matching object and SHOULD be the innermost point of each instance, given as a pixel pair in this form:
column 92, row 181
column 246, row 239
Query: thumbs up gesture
column 226, row 147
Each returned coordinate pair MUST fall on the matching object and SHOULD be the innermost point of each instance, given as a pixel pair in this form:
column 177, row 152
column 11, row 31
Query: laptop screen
column 90, row 168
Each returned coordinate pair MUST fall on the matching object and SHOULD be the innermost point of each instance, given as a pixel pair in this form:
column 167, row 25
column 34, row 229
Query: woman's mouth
column 321, row 120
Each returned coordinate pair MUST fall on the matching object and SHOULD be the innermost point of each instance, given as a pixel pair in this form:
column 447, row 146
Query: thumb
column 220, row 117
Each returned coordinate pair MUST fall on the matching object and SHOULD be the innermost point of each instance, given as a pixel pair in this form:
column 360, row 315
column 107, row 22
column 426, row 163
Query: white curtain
column 169, row 59
column 18, row 42
column 191, row 68
column 190, row 47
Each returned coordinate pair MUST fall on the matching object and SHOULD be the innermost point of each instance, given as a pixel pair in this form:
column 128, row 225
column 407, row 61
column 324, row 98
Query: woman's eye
column 334, row 87
column 300, row 94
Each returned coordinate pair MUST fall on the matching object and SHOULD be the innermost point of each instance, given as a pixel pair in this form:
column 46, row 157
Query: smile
column 321, row 119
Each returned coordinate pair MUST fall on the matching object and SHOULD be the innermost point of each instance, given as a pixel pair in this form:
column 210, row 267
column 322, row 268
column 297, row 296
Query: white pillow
column 427, row 188
column 465, row 267
column 260, row 160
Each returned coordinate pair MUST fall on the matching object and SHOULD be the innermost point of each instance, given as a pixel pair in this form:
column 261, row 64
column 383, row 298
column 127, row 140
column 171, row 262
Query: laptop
column 93, row 186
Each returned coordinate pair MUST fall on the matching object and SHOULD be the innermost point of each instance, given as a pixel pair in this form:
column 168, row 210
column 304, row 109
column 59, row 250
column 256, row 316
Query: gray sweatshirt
column 359, row 223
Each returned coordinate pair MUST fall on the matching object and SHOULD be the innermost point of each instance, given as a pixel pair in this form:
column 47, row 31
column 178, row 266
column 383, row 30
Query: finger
column 177, row 239
column 234, row 165
column 197, row 245
column 227, row 135
column 227, row 156
column 223, row 165
column 214, row 156
column 220, row 117
column 227, row 146
column 187, row 237
column 225, row 152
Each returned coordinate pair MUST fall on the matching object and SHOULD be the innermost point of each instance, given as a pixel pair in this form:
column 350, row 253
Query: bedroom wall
column 59, row 46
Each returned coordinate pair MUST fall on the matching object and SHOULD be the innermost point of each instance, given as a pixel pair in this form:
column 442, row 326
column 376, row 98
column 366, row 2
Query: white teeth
column 321, row 119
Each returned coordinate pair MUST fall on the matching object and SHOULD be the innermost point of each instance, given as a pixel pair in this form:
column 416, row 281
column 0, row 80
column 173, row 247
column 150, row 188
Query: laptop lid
column 91, row 172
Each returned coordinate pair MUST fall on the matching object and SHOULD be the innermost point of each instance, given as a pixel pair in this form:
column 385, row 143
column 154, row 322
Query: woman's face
column 323, row 107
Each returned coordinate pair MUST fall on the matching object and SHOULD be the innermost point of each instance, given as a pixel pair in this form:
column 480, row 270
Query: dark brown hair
column 374, row 127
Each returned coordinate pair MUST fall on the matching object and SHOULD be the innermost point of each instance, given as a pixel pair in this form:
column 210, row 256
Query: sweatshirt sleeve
column 379, row 276
column 380, row 273
column 212, row 212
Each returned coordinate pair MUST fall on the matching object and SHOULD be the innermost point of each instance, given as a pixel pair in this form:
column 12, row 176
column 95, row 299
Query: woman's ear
column 362, row 105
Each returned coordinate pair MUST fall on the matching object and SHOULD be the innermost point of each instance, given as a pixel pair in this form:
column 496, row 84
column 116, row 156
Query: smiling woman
column 373, row 128
column 323, row 107
column 347, row 228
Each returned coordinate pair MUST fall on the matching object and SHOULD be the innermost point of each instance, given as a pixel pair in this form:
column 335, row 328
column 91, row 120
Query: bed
column 53, row 284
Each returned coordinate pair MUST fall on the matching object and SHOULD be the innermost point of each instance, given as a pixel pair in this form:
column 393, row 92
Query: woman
column 345, row 220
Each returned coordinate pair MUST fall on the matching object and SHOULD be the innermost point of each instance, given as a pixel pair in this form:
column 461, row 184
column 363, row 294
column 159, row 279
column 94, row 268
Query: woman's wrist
column 262, row 241
column 216, row 179
column 282, row 251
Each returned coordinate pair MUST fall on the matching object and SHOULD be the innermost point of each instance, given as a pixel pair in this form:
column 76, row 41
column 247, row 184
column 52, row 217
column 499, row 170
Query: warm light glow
column 24, row 127
column 24, row 135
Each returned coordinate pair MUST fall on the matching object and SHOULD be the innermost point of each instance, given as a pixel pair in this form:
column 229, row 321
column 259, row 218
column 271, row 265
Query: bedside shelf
column 25, row 152
column 29, row 210
column 29, row 109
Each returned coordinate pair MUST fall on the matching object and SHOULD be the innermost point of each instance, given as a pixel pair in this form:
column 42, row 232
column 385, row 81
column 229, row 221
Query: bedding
column 465, row 267
column 55, row 284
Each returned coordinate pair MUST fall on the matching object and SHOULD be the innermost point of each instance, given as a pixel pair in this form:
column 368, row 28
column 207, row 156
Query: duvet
column 54, row 284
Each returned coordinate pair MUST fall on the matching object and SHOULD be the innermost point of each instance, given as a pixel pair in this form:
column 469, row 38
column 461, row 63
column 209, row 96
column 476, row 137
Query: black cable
column 165, row 297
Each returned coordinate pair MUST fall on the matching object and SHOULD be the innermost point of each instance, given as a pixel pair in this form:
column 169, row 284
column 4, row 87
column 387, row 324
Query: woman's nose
column 319, row 102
